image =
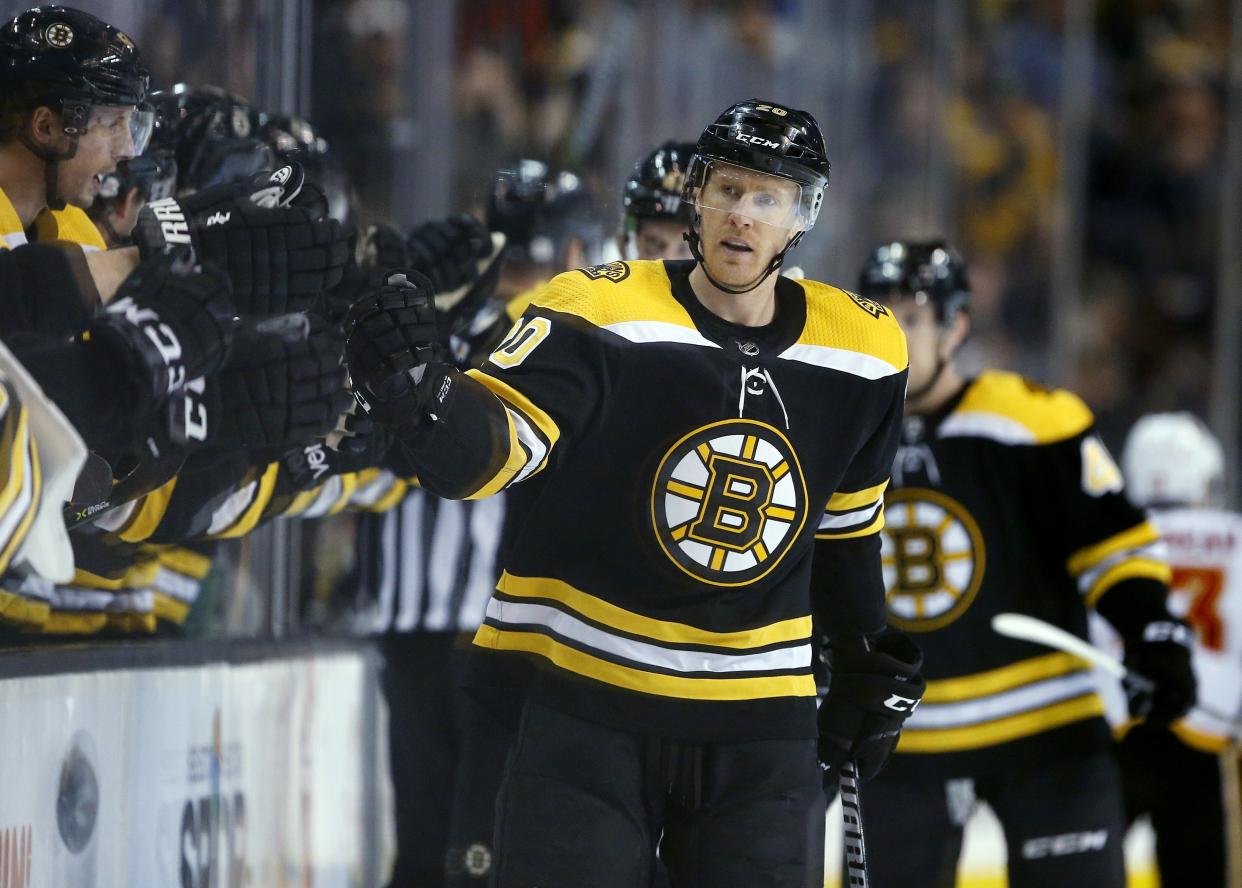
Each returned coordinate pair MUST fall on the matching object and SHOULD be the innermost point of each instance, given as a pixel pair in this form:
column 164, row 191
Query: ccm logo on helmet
column 898, row 703
column 757, row 140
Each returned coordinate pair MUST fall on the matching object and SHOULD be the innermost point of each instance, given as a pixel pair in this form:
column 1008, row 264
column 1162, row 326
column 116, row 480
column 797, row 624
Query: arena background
column 1086, row 156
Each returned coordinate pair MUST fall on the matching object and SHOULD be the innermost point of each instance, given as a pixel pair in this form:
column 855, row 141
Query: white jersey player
column 1172, row 465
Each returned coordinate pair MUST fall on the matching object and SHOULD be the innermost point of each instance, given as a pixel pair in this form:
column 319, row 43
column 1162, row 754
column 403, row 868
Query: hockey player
column 1004, row 499
column 655, row 219
column 1173, row 467
column 660, row 427
column 72, row 87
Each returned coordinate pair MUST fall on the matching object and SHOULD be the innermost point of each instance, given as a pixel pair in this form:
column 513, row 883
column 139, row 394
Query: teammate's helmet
column 930, row 271
column 64, row 55
column 294, row 140
column 654, row 189
column 540, row 211
column 212, row 134
column 1171, row 459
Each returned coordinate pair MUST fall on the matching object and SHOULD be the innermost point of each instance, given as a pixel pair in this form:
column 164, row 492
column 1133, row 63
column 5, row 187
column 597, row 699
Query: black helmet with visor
column 758, row 137
column 72, row 62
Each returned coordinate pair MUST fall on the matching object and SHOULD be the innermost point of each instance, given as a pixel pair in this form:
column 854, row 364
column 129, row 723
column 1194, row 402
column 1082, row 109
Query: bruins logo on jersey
column 933, row 558
column 729, row 500
column 610, row 271
column 870, row 306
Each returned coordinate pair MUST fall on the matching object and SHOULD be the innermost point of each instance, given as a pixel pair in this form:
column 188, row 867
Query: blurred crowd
column 964, row 104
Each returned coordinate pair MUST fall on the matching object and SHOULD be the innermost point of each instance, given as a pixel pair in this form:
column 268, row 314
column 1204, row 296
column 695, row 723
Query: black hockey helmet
column 654, row 189
column 212, row 134
column 294, row 139
column 56, row 53
column 766, row 138
column 540, row 211
column 931, row 271
column 71, row 62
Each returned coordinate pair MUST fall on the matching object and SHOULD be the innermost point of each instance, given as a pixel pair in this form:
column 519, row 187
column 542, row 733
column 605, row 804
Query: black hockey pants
column 586, row 805
column 1180, row 788
column 1062, row 818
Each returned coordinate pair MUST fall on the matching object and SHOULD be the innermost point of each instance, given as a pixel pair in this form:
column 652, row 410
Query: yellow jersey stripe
column 254, row 512
column 514, row 463
column 73, row 623
column 14, row 449
column 536, row 416
column 150, row 512
column 981, row 684
column 1089, row 556
column 394, row 495
column 1001, row 730
column 170, row 610
column 680, row 687
column 607, row 614
column 32, row 507
column 875, row 526
column 1126, row 570
column 25, row 612
column 848, row 502
column 186, row 561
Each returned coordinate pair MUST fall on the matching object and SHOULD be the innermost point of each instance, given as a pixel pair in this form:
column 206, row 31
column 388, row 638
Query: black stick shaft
column 853, row 837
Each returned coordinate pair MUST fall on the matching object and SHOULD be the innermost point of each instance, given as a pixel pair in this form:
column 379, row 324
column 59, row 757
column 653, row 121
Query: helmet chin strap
column 51, row 167
column 691, row 237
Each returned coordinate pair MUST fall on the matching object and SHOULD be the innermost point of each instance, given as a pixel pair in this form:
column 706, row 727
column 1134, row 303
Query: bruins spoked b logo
column 933, row 558
column 729, row 500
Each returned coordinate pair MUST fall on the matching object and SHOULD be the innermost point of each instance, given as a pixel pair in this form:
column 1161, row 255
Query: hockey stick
column 1027, row 628
column 853, row 838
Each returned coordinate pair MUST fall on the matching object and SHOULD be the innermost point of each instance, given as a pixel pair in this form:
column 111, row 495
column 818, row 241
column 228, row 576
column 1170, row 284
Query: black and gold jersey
column 70, row 224
column 1005, row 500
column 675, row 474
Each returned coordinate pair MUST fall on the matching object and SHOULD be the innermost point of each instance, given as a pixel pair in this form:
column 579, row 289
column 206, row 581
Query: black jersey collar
column 746, row 342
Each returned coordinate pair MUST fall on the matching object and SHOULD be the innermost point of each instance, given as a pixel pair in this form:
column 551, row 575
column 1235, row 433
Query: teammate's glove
column 268, row 234
column 1161, row 654
column 276, row 393
column 448, row 251
column 875, row 685
column 390, row 338
column 175, row 320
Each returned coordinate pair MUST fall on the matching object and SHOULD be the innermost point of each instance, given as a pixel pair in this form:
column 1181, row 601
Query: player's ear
column 45, row 126
column 957, row 333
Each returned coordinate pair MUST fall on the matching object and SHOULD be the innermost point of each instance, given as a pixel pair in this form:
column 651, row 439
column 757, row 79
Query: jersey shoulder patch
column 1011, row 409
column 842, row 321
column 616, row 296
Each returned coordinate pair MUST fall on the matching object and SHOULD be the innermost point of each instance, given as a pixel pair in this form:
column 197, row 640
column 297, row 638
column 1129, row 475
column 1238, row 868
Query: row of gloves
column 231, row 325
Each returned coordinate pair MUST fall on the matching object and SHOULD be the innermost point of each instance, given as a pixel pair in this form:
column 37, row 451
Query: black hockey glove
column 268, row 234
column 276, row 393
column 390, row 339
column 448, row 251
column 174, row 318
column 379, row 248
column 874, row 686
column 1161, row 654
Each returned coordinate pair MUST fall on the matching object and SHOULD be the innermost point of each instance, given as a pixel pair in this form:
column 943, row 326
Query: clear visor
column 127, row 128
column 760, row 197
